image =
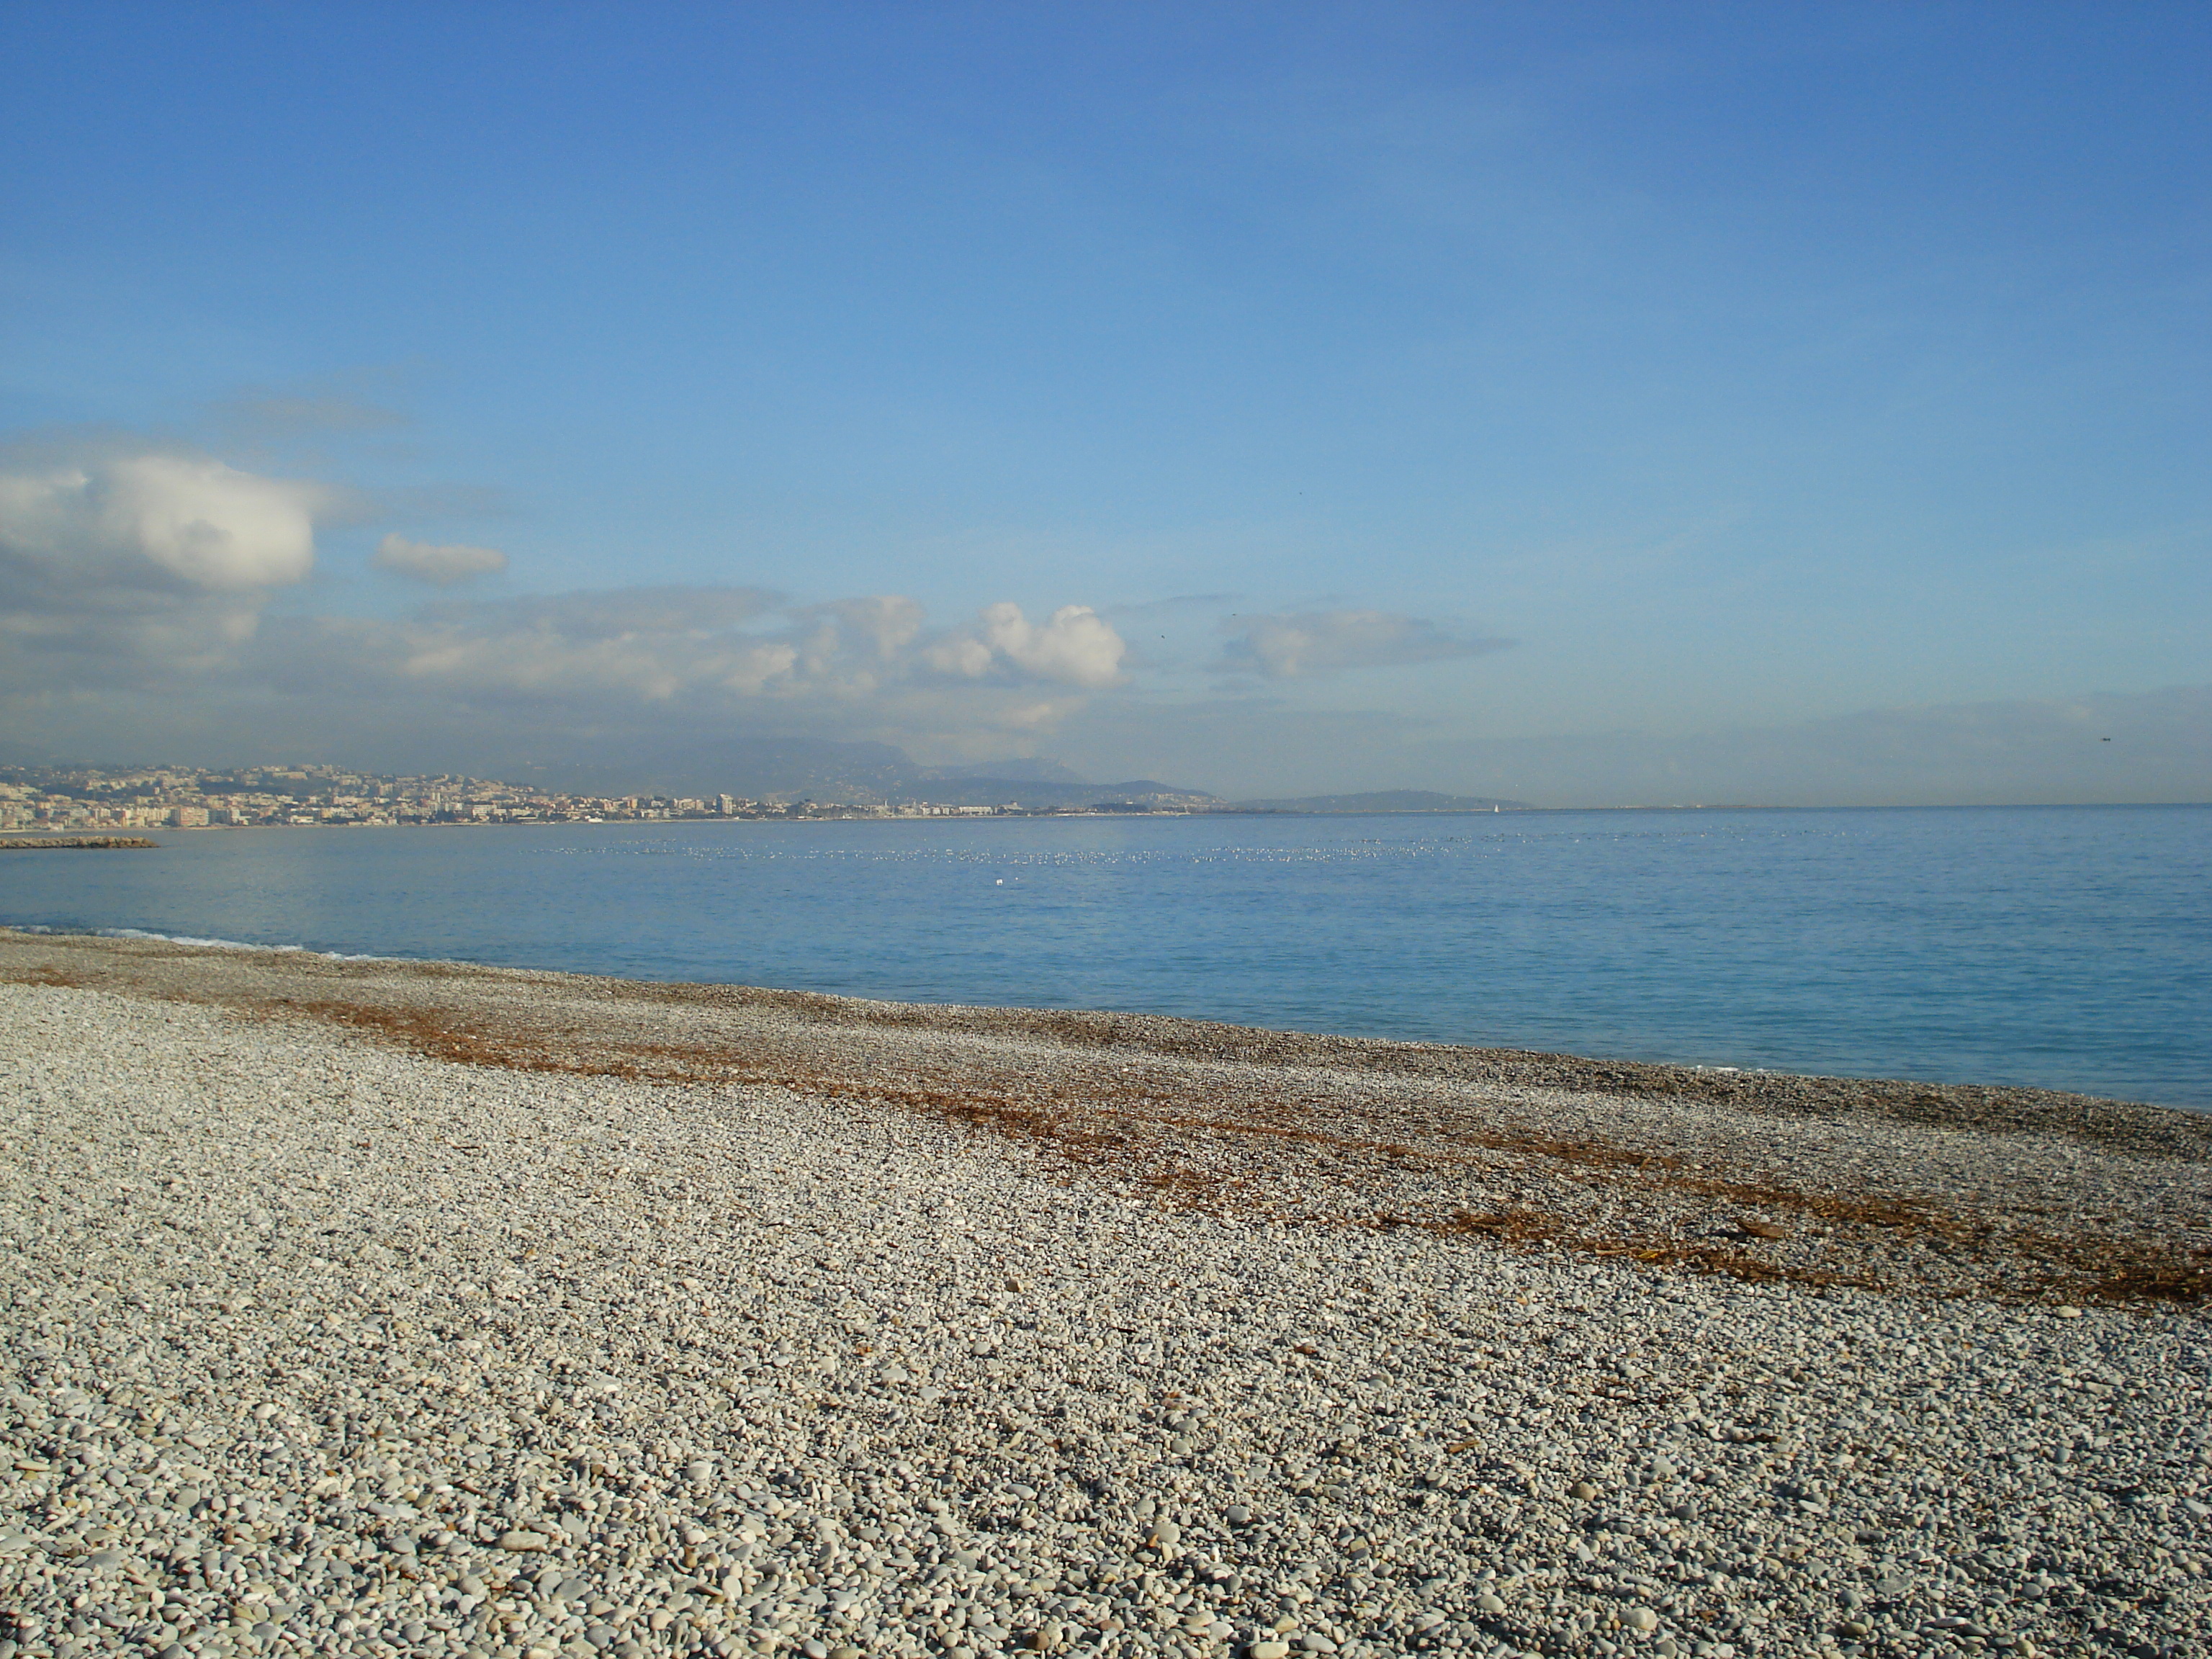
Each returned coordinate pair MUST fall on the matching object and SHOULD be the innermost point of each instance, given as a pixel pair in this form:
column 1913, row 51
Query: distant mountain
column 1038, row 795
column 763, row 767
column 1027, row 771
column 802, row 769
column 1384, row 800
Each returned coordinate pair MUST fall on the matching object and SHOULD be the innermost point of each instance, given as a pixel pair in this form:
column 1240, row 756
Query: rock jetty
column 25, row 843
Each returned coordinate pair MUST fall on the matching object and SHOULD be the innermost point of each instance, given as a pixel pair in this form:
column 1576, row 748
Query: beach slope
column 407, row 1308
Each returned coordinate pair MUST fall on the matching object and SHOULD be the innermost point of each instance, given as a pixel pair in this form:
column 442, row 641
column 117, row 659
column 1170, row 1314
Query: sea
column 2062, row 947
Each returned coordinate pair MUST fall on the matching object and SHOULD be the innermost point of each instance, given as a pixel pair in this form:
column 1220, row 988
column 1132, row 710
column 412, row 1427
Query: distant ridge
column 1146, row 794
column 1022, row 771
column 1385, row 801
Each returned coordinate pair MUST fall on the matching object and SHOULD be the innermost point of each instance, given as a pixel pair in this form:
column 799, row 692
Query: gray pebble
column 613, row 1371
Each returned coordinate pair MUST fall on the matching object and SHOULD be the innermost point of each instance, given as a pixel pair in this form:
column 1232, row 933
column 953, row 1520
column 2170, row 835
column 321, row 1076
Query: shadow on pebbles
column 382, row 1308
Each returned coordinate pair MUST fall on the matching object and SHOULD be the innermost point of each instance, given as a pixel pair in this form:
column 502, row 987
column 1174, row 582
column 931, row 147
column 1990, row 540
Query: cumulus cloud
column 712, row 644
column 128, row 566
column 1329, row 641
column 441, row 564
column 173, row 522
column 715, row 661
column 649, row 645
column 1077, row 646
column 131, row 561
column 888, row 622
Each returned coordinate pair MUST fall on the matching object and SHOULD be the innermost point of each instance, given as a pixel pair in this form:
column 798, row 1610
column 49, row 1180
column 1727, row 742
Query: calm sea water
column 2065, row 947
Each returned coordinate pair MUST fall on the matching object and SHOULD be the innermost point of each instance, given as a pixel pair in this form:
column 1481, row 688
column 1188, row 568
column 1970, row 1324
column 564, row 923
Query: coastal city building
column 188, row 798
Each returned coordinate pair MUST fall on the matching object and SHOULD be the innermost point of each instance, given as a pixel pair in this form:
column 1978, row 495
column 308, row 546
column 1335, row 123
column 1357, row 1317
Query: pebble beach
column 386, row 1308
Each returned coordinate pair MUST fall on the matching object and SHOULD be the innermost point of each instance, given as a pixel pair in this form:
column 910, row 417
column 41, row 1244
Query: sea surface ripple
column 2064, row 947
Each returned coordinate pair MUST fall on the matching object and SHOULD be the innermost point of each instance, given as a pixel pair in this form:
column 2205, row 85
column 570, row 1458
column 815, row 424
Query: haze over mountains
column 870, row 772
column 1388, row 800
column 823, row 770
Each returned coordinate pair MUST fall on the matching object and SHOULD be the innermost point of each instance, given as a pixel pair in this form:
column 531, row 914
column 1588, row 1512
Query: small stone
column 2068, row 1312
column 660, row 1440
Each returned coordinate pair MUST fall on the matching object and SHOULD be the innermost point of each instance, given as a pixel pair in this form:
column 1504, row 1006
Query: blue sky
column 1417, row 395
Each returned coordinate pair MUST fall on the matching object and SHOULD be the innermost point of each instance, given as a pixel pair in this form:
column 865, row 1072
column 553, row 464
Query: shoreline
column 1994, row 1105
column 424, row 1308
column 1884, row 1184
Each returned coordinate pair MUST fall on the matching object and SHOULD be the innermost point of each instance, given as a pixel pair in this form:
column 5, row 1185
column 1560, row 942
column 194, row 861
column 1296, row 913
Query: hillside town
column 188, row 798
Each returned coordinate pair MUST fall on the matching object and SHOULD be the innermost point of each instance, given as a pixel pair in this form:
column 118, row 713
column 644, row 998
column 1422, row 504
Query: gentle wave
column 204, row 943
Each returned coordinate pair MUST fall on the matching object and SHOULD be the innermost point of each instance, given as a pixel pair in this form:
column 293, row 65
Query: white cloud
column 126, row 562
column 1077, row 646
column 442, row 564
column 137, row 567
column 156, row 521
column 716, row 660
column 649, row 645
column 1327, row 641
column 890, row 622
